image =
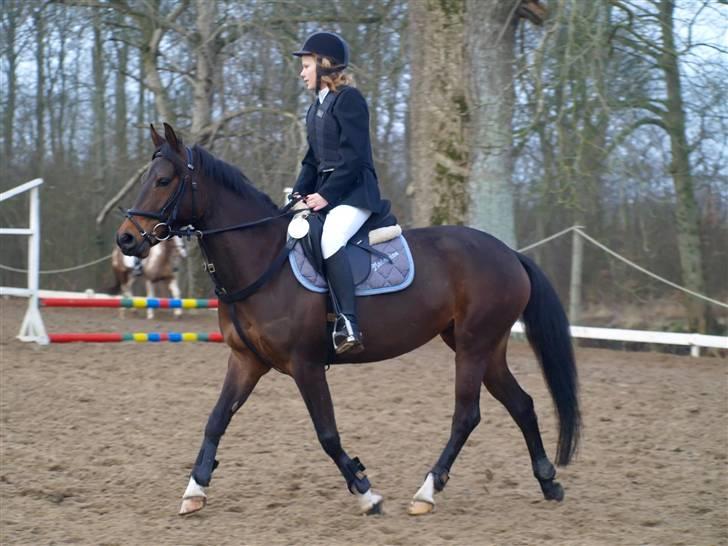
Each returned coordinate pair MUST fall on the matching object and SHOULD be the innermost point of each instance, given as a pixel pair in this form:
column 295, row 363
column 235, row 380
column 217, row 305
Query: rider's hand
column 316, row 201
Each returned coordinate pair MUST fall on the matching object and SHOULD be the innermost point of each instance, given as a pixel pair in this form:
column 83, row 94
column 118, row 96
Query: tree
column 490, row 43
column 438, row 114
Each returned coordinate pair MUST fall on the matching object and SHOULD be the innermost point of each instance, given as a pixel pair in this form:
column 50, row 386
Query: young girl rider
column 337, row 173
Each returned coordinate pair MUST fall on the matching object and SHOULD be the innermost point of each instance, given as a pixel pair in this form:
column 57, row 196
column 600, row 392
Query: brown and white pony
column 160, row 266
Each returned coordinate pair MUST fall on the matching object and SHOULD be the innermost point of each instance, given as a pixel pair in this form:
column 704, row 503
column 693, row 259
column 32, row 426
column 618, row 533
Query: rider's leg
column 341, row 224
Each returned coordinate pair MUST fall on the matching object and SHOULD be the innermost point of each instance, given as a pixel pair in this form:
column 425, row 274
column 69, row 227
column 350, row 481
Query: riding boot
column 347, row 337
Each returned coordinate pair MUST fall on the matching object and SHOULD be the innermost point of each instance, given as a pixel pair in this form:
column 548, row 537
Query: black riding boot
column 347, row 337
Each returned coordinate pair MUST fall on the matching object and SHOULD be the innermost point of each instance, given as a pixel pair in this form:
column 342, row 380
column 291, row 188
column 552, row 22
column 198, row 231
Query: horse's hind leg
column 311, row 382
column 469, row 369
column 503, row 386
column 243, row 374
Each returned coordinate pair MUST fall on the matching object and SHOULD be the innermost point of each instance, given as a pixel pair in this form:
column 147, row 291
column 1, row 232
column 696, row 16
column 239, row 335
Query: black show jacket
column 338, row 164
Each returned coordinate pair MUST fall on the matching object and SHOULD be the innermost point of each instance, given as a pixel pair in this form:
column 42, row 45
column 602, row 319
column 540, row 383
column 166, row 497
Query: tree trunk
column 99, row 109
column 437, row 114
column 120, row 121
column 142, row 133
column 9, row 26
column 204, row 62
column 686, row 213
column 40, row 89
column 490, row 58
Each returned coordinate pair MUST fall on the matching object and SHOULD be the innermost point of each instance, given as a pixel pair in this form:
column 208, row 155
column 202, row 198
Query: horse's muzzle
column 130, row 246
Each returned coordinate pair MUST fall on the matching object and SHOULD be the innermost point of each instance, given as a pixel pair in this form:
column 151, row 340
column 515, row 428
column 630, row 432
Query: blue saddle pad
column 384, row 276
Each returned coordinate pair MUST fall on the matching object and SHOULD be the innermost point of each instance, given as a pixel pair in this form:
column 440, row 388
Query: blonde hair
column 333, row 81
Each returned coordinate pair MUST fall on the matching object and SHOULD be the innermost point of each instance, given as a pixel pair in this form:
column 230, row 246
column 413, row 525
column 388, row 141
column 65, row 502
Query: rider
column 337, row 174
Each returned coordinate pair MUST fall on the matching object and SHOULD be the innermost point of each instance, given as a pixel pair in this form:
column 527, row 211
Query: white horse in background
column 160, row 265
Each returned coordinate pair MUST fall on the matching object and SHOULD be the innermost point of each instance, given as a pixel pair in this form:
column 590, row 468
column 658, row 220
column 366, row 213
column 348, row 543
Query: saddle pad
column 384, row 276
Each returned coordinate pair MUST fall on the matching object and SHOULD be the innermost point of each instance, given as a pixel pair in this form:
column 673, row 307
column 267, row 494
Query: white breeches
column 341, row 224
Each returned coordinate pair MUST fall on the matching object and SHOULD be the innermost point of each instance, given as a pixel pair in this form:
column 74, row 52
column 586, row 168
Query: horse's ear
column 171, row 137
column 156, row 137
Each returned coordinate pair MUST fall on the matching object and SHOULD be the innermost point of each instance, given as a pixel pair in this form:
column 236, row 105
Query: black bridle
column 167, row 215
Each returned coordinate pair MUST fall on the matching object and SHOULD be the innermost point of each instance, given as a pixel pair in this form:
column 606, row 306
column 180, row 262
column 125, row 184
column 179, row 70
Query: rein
column 167, row 215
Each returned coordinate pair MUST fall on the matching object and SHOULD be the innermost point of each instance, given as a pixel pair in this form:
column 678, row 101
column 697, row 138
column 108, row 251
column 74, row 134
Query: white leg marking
column 426, row 493
column 367, row 500
column 174, row 290
column 194, row 489
column 194, row 498
column 424, row 500
column 150, row 294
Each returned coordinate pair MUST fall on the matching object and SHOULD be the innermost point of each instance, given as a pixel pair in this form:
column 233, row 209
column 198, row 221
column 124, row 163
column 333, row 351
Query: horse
column 159, row 266
column 469, row 288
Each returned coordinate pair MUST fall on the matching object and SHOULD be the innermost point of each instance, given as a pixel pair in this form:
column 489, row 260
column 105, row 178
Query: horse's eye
column 164, row 181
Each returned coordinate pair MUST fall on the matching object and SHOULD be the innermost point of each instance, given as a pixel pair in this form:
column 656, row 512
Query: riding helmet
column 326, row 44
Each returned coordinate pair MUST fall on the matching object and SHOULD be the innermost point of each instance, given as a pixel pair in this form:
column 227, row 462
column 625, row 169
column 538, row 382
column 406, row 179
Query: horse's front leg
column 243, row 373
column 311, row 381
column 176, row 293
column 150, row 294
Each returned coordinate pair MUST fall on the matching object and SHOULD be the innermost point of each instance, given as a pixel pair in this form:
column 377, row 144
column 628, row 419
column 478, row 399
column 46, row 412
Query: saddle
column 358, row 249
column 378, row 253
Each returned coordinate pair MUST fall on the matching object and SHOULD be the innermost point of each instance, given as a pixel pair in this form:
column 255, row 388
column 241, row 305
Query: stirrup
column 345, row 338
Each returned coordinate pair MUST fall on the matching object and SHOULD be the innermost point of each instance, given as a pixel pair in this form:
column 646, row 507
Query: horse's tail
column 547, row 330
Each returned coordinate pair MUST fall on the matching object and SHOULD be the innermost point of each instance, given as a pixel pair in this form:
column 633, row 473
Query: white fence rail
column 694, row 341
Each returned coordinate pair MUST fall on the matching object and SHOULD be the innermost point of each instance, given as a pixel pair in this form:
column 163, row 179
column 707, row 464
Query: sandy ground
column 97, row 441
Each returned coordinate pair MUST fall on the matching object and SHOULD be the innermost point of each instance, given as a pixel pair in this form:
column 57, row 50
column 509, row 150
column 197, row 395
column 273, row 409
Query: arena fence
column 32, row 328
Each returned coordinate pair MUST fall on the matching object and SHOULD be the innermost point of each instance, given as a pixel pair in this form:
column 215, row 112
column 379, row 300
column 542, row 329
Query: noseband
column 167, row 215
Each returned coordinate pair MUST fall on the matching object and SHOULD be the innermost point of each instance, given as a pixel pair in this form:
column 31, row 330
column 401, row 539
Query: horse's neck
column 241, row 256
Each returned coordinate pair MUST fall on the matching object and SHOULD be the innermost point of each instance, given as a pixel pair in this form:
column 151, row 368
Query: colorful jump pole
column 132, row 303
column 139, row 337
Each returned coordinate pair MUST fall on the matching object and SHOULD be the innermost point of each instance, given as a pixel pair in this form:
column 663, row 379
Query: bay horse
column 469, row 288
column 159, row 266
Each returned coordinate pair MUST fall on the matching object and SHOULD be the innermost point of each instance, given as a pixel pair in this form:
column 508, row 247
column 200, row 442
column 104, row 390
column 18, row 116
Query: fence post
column 577, row 260
column 32, row 328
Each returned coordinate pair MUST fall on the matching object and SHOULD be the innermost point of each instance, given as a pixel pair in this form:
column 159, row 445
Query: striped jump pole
column 139, row 337
column 132, row 303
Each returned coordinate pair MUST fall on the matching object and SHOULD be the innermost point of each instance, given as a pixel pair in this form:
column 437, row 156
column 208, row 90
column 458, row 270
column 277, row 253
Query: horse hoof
column 553, row 491
column 420, row 508
column 375, row 510
column 190, row 505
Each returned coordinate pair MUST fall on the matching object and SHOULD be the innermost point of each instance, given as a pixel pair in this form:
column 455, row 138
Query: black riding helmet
column 326, row 44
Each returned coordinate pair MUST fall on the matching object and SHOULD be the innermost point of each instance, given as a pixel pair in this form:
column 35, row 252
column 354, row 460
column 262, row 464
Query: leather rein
column 164, row 230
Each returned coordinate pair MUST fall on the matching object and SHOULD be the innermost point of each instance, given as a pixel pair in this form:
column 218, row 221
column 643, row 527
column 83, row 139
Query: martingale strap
column 248, row 291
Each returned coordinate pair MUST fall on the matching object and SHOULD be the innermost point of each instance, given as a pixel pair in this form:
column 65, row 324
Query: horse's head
column 167, row 198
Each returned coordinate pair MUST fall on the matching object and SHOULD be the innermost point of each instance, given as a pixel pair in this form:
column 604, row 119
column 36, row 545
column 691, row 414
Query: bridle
column 167, row 215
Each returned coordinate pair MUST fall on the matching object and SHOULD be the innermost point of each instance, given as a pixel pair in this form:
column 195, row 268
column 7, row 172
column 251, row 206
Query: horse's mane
column 230, row 177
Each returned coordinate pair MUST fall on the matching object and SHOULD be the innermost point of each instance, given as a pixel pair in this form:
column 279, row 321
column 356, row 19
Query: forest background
column 519, row 117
